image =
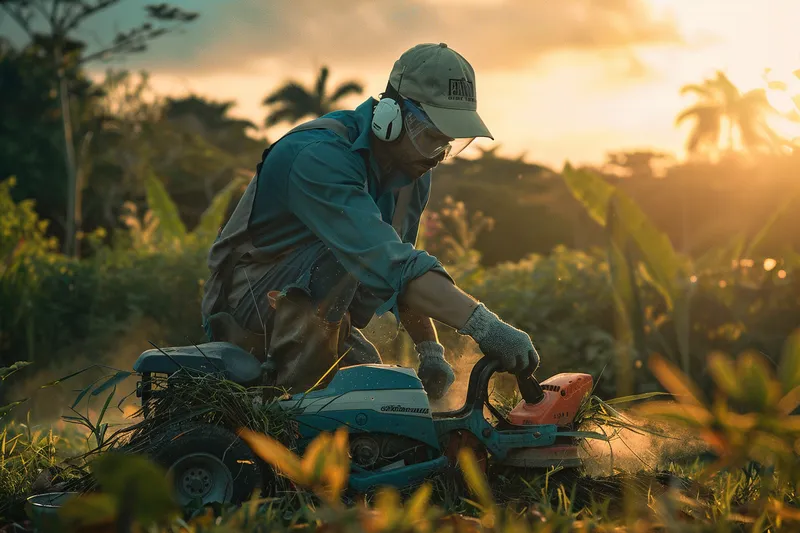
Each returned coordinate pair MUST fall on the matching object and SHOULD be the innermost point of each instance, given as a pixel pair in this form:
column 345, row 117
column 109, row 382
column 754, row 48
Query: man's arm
column 434, row 295
column 419, row 327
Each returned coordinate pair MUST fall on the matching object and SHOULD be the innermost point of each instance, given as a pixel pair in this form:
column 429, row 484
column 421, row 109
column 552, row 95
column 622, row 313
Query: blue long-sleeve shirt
column 314, row 185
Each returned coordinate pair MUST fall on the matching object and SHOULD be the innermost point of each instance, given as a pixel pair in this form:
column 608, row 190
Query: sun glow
column 783, row 94
column 754, row 43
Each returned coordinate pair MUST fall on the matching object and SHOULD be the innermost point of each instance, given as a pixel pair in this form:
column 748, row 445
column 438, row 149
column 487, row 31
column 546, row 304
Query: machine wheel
column 207, row 463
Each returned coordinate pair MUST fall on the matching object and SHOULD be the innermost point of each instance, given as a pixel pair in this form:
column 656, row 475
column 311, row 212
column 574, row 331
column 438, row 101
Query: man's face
column 410, row 161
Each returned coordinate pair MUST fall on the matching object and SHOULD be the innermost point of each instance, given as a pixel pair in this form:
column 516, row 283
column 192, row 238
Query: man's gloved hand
column 496, row 339
column 434, row 371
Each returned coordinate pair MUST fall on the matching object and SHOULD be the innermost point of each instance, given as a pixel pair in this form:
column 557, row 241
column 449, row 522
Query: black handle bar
column 478, row 388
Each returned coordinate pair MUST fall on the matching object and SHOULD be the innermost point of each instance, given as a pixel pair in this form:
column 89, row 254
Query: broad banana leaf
column 214, row 216
column 626, row 296
column 590, row 190
column 668, row 271
column 170, row 226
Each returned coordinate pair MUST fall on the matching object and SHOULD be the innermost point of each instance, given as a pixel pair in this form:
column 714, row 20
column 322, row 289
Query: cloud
column 354, row 34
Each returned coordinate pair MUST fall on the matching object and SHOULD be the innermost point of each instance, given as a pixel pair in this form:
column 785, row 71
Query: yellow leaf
column 739, row 422
column 313, row 460
column 790, row 401
column 476, row 480
column 388, row 505
column 274, row 453
column 418, row 503
column 691, row 415
column 789, row 424
column 787, row 513
column 675, row 381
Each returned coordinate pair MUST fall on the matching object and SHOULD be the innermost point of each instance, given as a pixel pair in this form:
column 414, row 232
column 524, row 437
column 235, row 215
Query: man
column 329, row 224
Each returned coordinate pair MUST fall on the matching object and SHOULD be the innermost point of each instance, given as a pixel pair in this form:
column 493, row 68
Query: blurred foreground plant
column 750, row 418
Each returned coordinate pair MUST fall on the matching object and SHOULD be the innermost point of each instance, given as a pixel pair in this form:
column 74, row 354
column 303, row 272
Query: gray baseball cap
column 443, row 82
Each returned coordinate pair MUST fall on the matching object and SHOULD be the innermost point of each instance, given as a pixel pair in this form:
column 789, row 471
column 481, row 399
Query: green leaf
column 170, row 225
column 789, row 367
column 113, row 381
column 626, row 296
column 754, row 381
column 6, row 371
column 68, row 376
column 723, row 372
column 83, row 393
column 88, row 510
column 5, row 409
column 104, row 409
column 659, row 257
column 138, row 485
column 214, row 216
column 590, row 190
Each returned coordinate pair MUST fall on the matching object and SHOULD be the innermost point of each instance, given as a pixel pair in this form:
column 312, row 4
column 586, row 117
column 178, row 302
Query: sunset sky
column 565, row 79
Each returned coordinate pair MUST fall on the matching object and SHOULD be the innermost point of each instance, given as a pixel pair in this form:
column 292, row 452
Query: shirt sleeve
column 412, row 234
column 325, row 189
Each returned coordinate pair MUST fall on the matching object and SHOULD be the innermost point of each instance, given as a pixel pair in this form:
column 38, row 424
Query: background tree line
column 154, row 176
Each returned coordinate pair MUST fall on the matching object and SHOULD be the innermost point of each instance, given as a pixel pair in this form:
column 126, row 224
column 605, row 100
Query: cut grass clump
column 183, row 397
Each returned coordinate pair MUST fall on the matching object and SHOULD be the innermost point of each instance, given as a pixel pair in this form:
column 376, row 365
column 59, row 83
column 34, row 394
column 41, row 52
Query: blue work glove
column 498, row 340
column 434, row 371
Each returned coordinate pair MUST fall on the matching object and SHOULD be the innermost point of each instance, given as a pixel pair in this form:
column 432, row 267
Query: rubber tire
column 196, row 437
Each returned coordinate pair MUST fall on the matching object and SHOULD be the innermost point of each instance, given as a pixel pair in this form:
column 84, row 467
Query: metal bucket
column 43, row 510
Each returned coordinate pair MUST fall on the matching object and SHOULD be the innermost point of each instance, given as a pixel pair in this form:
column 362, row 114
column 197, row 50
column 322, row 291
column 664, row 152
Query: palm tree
column 295, row 102
column 721, row 101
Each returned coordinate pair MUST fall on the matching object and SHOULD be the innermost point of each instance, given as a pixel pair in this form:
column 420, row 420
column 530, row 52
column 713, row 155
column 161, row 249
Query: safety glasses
column 429, row 141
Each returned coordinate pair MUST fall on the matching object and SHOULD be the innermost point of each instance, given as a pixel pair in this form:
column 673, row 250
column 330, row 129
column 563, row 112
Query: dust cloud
column 457, row 393
column 46, row 406
column 648, row 449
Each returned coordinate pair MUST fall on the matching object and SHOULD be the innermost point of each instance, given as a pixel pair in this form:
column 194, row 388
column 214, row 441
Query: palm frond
column 292, row 92
column 283, row 114
column 703, row 90
column 703, row 113
column 322, row 81
column 346, row 89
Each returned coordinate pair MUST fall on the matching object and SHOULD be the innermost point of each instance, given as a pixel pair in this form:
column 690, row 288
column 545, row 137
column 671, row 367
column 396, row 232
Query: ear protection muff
column 387, row 120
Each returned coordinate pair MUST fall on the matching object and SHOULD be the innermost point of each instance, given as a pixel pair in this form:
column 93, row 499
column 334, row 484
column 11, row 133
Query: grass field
column 683, row 465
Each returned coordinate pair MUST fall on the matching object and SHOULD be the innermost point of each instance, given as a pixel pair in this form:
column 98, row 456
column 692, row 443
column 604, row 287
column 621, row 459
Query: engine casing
column 376, row 398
